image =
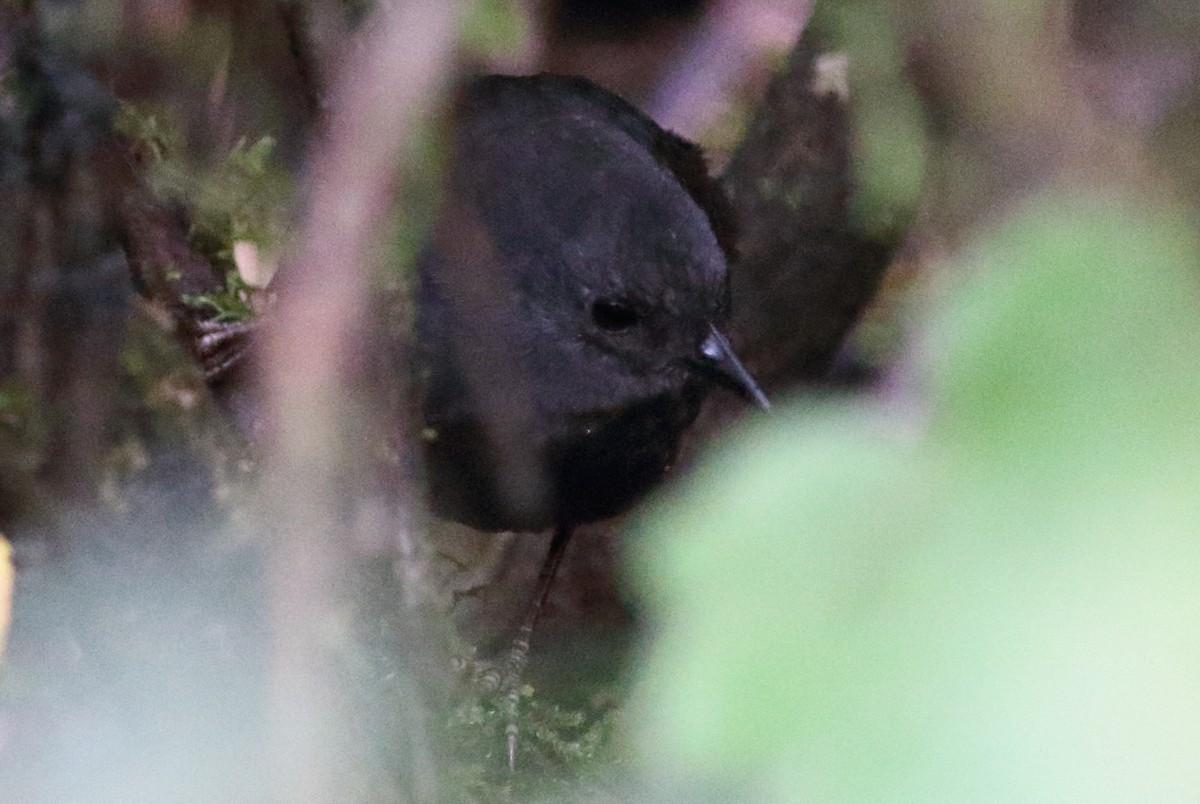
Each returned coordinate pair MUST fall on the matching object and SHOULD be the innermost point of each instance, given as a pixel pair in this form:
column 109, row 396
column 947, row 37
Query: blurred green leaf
column 987, row 592
column 494, row 27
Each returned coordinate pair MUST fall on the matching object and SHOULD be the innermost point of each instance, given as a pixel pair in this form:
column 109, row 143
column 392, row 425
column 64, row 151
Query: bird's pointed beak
column 719, row 359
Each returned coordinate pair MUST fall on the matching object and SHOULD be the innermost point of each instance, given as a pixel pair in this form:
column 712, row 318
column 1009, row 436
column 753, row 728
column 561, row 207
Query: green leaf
column 495, row 28
column 986, row 587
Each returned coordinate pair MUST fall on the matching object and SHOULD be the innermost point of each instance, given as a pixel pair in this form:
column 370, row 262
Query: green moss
column 245, row 196
column 561, row 750
column 232, row 302
column 154, row 133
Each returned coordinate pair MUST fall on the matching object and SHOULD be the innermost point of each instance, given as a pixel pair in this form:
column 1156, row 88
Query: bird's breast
column 557, row 470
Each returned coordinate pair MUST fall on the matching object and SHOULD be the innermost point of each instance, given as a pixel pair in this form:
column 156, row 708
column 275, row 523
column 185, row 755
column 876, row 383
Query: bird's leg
column 518, row 654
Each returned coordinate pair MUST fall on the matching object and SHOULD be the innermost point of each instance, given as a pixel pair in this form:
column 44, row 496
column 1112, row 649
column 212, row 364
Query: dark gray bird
column 570, row 308
column 570, row 305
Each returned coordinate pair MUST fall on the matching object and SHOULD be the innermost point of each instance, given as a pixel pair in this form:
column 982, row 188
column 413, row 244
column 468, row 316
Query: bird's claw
column 221, row 345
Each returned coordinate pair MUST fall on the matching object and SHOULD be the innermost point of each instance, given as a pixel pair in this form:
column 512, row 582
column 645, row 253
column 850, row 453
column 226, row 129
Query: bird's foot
column 502, row 681
column 499, row 682
column 221, row 345
column 512, row 689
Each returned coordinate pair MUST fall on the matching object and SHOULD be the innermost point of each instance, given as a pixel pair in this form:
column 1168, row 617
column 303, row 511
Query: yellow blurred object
column 6, row 591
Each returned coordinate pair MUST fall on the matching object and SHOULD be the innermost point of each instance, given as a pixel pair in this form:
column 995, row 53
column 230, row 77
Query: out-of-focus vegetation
column 890, row 138
column 980, row 582
column 981, row 587
column 238, row 207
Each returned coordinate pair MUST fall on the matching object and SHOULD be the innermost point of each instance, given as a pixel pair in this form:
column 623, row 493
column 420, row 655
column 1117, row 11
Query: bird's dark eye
column 614, row 315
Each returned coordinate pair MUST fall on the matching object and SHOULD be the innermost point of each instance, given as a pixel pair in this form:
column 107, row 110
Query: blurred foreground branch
column 315, row 340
